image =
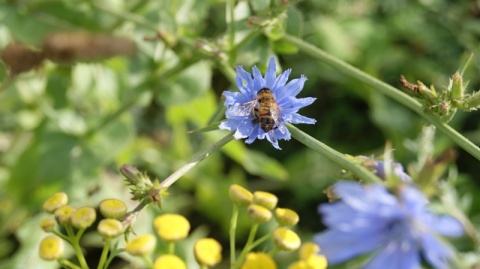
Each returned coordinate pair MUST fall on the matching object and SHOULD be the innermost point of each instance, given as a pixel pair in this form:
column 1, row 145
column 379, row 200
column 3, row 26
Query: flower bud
column 134, row 176
column 265, row 199
column 317, row 262
column 169, row 261
column 208, row 251
column 286, row 217
column 113, row 208
column 51, row 248
column 259, row 214
column 110, row 228
column 142, row 245
column 83, row 217
column 257, row 260
column 286, row 239
column 55, row 202
column 47, row 224
column 240, row 196
column 457, row 87
column 64, row 214
column 308, row 249
column 171, row 227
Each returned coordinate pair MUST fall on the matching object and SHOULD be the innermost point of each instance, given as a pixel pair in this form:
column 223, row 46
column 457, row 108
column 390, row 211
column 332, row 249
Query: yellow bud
column 64, row 214
column 299, row 265
column 113, row 208
column 308, row 249
column 47, row 225
column 110, row 228
column 51, row 248
column 240, row 196
column 317, row 262
column 169, row 261
column 286, row 239
column 208, row 251
column 259, row 214
column 56, row 201
column 171, row 227
column 142, row 245
column 258, row 260
column 265, row 199
column 286, row 217
column 83, row 217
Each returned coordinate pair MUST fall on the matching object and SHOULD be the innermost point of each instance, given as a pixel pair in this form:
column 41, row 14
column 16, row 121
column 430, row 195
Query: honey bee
column 265, row 110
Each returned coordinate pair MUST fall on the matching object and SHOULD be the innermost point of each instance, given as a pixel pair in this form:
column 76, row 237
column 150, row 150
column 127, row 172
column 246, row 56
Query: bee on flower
column 264, row 105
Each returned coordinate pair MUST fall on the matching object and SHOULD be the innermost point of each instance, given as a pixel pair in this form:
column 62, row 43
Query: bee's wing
column 245, row 109
column 279, row 124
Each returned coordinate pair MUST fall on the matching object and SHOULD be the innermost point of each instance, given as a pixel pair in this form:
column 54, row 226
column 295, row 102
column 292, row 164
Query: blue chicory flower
column 398, row 230
column 241, row 106
column 379, row 169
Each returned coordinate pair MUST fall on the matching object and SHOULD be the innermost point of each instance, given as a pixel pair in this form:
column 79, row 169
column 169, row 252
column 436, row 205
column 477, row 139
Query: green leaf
column 23, row 26
column 30, row 235
column 187, row 85
column 255, row 162
column 294, row 22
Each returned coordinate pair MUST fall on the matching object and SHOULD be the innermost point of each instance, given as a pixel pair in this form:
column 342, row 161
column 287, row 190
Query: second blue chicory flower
column 398, row 231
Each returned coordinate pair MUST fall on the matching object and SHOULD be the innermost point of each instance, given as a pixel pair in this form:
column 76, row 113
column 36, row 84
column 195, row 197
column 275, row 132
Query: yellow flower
column 208, row 251
column 258, row 260
column 141, row 245
column 51, row 248
column 110, row 228
column 317, row 262
column 259, row 214
column 169, row 261
column 64, row 214
column 308, row 249
column 286, row 217
column 240, row 196
column 265, row 199
column 47, row 224
column 83, row 217
column 171, row 227
column 113, row 208
column 56, row 201
column 286, row 239
column 309, row 259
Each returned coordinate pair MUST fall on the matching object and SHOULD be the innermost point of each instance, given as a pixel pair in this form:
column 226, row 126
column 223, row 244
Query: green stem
column 233, row 228
column 75, row 242
column 333, row 155
column 385, row 89
column 67, row 264
column 171, row 247
column 195, row 160
column 147, row 260
column 248, row 37
column 274, row 251
column 247, row 248
column 103, row 257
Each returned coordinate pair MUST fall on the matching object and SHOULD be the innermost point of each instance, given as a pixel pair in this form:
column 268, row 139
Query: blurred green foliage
column 69, row 126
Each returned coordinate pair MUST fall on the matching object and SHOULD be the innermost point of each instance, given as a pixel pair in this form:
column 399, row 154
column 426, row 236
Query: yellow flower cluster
column 172, row 228
column 261, row 206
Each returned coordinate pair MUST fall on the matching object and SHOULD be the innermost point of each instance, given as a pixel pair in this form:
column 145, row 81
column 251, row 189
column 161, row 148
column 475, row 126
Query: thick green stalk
column 385, row 89
column 333, row 155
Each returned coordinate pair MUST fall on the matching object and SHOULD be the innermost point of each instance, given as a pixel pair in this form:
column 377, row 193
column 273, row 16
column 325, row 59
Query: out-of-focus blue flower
column 241, row 106
column 397, row 230
column 379, row 169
